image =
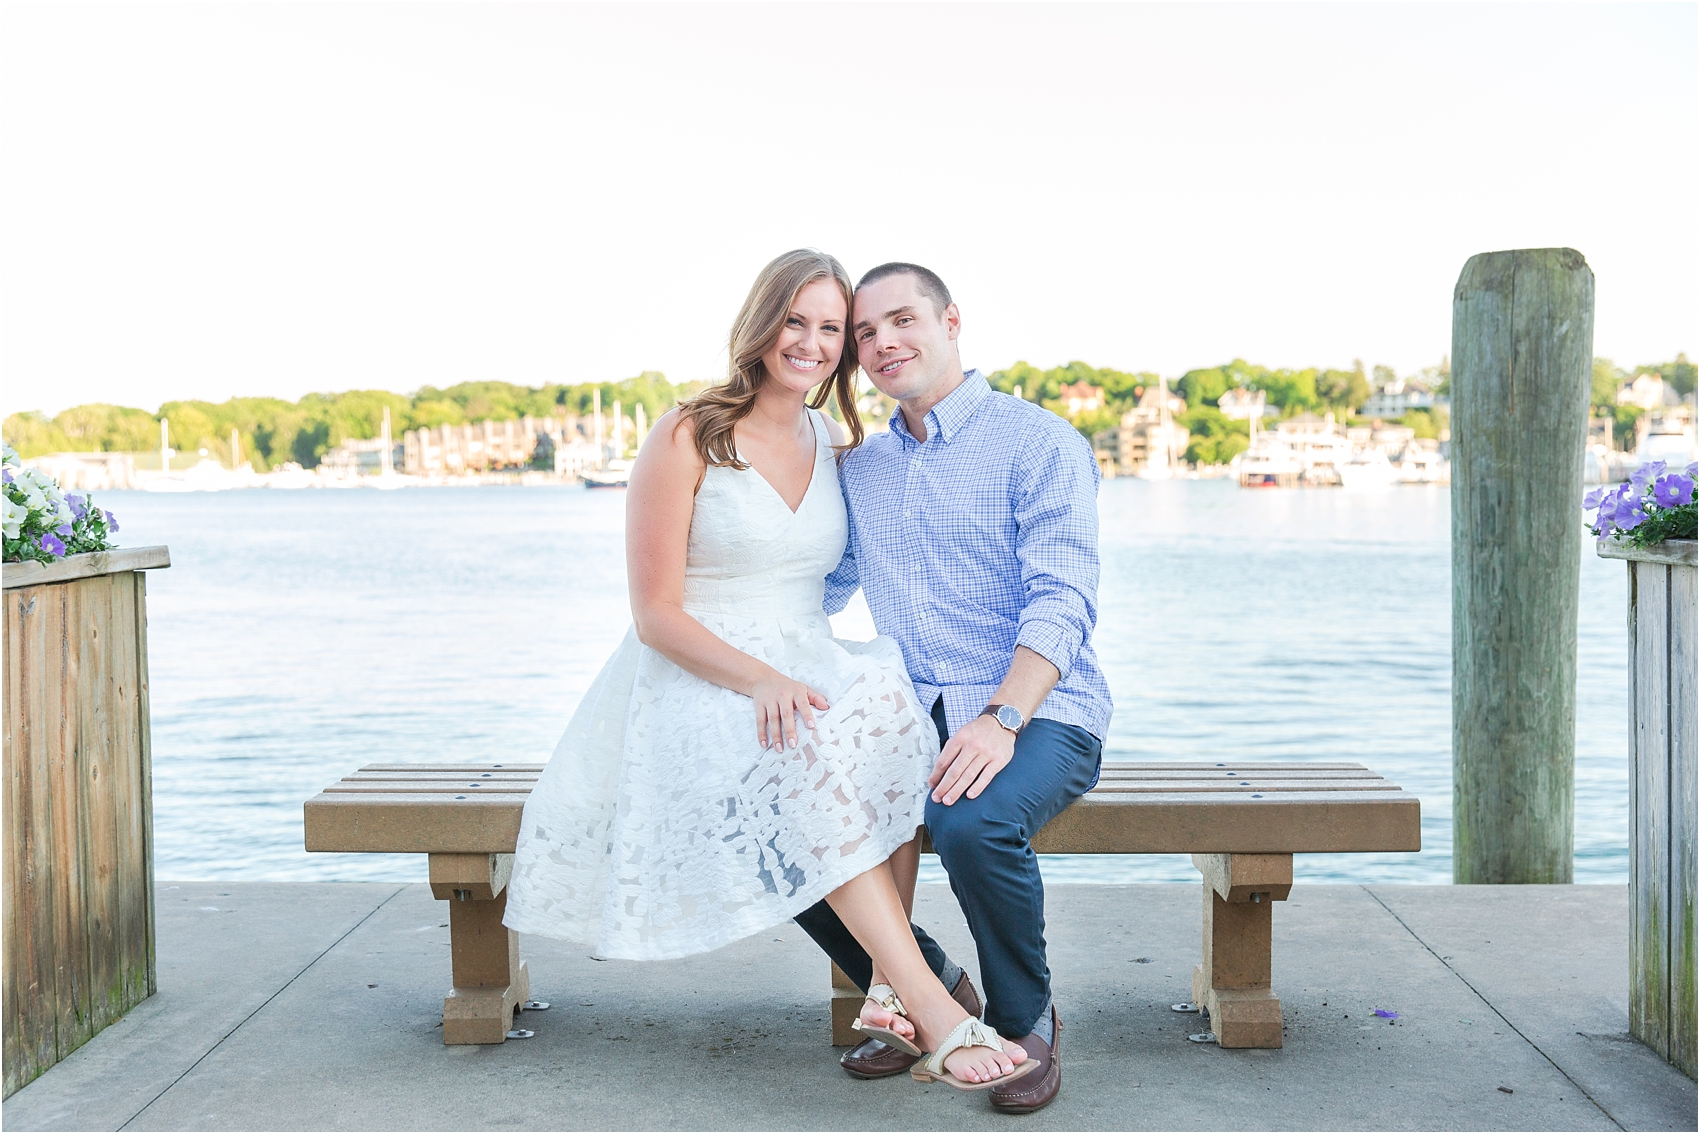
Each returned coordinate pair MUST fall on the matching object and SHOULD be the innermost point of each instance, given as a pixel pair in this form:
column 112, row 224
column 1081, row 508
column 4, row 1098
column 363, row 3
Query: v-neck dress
column 660, row 827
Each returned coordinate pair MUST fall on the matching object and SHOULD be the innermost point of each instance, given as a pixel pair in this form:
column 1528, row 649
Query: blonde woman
column 733, row 763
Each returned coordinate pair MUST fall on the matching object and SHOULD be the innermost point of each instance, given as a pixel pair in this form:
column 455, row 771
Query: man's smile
column 895, row 365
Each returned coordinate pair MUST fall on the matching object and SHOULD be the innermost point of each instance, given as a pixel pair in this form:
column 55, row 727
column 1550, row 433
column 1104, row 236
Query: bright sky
column 205, row 201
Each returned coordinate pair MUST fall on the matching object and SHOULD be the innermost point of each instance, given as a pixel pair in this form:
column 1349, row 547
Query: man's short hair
column 926, row 281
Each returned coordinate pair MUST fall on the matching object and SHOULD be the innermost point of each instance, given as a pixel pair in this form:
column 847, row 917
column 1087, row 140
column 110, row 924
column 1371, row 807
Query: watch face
column 1010, row 717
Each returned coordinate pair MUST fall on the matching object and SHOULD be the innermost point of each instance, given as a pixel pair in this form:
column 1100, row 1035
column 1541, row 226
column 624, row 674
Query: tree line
column 272, row 431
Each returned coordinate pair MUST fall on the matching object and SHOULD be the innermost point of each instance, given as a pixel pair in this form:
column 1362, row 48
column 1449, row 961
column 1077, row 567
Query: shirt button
column 908, row 513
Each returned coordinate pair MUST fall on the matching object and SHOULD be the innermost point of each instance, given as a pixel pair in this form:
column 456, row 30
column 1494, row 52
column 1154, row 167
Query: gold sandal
column 886, row 997
column 969, row 1033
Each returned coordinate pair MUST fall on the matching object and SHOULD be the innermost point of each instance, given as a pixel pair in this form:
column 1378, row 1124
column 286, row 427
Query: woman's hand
column 779, row 701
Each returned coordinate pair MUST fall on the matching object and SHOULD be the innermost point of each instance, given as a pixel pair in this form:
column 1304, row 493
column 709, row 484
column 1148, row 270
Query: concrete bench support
column 846, row 1006
column 1232, row 983
column 490, row 981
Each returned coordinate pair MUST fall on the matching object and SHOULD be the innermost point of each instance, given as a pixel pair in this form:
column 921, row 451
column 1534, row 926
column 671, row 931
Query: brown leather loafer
column 1034, row 1090
column 872, row 1059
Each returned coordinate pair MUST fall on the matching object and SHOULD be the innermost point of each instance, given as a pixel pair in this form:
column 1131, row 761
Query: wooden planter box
column 78, row 846
column 1663, row 737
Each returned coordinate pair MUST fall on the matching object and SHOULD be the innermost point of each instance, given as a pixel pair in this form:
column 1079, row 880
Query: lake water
column 301, row 634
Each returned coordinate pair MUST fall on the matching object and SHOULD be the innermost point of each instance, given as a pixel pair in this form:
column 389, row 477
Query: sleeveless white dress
column 660, row 827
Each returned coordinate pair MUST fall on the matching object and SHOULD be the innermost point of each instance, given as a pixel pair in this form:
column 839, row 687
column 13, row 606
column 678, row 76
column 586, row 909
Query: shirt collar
column 951, row 414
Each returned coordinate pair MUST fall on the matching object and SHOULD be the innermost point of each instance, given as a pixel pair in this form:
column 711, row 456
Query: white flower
column 16, row 514
column 33, row 494
column 10, row 454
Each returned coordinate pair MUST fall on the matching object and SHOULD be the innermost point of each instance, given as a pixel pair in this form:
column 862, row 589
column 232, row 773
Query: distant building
column 1147, row 442
column 1081, row 398
column 359, row 457
column 88, row 471
column 454, row 450
column 1241, row 404
column 1649, row 392
column 1397, row 398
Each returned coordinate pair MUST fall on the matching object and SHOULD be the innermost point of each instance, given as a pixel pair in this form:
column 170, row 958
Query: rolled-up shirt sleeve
column 845, row 580
column 1056, row 543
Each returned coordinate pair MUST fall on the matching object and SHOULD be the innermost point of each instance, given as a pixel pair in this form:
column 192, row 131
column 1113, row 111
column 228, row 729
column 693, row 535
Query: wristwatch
column 1006, row 715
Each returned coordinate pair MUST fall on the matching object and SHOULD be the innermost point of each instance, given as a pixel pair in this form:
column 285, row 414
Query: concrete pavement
column 317, row 1006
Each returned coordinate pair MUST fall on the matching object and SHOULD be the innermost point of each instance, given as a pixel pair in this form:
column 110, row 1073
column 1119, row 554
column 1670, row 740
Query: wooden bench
column 1242, row 824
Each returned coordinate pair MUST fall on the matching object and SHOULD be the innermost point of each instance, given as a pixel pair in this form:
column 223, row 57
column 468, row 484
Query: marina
column 1270, row 626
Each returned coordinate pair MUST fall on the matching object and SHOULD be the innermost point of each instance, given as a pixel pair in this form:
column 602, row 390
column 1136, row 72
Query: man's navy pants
column 986, row 847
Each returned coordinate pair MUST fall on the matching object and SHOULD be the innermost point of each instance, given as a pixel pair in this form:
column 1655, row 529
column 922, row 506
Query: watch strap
column 992, row 711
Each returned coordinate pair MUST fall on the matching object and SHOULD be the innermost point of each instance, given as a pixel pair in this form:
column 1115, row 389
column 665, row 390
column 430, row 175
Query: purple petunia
column 1672, row 490
column 1645, row 475
column 63, row 531
column 111, row 522
column 51, row 544
column 1628, row 513
column 78, row 505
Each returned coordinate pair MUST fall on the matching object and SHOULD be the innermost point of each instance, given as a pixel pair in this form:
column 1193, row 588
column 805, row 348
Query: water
column 301, row 634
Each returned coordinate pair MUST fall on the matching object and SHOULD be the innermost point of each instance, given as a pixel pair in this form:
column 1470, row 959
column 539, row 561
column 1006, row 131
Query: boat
column 1366, row 468
column 1269, row 465
column 615, row 474
column 1669, row 438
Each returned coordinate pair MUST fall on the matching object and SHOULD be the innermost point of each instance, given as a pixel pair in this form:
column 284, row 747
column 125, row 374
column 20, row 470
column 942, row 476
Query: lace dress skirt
column 660, row 828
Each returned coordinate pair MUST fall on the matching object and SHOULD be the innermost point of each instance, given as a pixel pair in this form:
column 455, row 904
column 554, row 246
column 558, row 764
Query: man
column 974, row 533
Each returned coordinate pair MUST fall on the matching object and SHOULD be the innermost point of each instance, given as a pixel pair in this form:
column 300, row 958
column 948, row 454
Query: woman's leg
column 905, row 863
column 872, row 909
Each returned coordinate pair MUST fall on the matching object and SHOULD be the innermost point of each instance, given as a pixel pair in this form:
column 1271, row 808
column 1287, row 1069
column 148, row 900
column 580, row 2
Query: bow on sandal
column 886, row 997
column 969, row 1033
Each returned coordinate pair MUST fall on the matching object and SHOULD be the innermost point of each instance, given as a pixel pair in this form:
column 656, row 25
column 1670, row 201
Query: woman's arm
column 664, row 482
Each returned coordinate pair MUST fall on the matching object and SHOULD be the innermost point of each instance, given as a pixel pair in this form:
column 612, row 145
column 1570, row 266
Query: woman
column 733, row 763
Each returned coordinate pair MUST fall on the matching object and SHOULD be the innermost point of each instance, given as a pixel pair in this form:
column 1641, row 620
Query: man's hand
column 979, row 751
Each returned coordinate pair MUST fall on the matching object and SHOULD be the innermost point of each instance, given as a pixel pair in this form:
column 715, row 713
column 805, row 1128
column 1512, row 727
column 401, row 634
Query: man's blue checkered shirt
column 982, row 538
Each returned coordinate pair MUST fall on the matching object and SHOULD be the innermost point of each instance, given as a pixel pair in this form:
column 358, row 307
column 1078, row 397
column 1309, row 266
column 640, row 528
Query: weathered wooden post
column 1522, row 354
column 76, row 861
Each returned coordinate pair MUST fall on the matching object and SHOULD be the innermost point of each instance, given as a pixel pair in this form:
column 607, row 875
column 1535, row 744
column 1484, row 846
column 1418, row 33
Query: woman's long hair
column 717, row 410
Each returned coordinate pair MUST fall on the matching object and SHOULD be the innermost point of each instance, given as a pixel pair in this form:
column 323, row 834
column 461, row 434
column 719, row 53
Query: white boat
column 614, row 474
column 1669, row 439
column 1269, row 465
column 1367, row 468
column 207, row 476
column 1419, row 464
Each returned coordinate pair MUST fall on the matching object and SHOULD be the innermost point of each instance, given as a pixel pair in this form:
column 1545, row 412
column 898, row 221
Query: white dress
column 660, row 827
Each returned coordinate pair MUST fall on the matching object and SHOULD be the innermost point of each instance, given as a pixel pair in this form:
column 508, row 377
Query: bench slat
column 1123, row 787
column 1114, row 822
column 1188, row 823
column 406, row 822
column 432, row 787
column 1246, row 769
column 456, row 769
column 1220, row 767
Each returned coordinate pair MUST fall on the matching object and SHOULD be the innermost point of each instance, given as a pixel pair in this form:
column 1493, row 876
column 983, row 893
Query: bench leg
column 846, row 1006
column 1233, row 982
column 490, row 981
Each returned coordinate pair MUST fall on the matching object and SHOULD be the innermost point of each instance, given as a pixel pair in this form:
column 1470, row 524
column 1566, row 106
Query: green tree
column 33, row 434
column 1202, row 387
column 1345, row 391
column 1607, row 380
column 1215, row 439
column 1679, row 372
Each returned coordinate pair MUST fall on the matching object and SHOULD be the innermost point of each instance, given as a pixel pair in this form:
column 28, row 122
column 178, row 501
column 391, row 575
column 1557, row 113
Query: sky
column 206, row 201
